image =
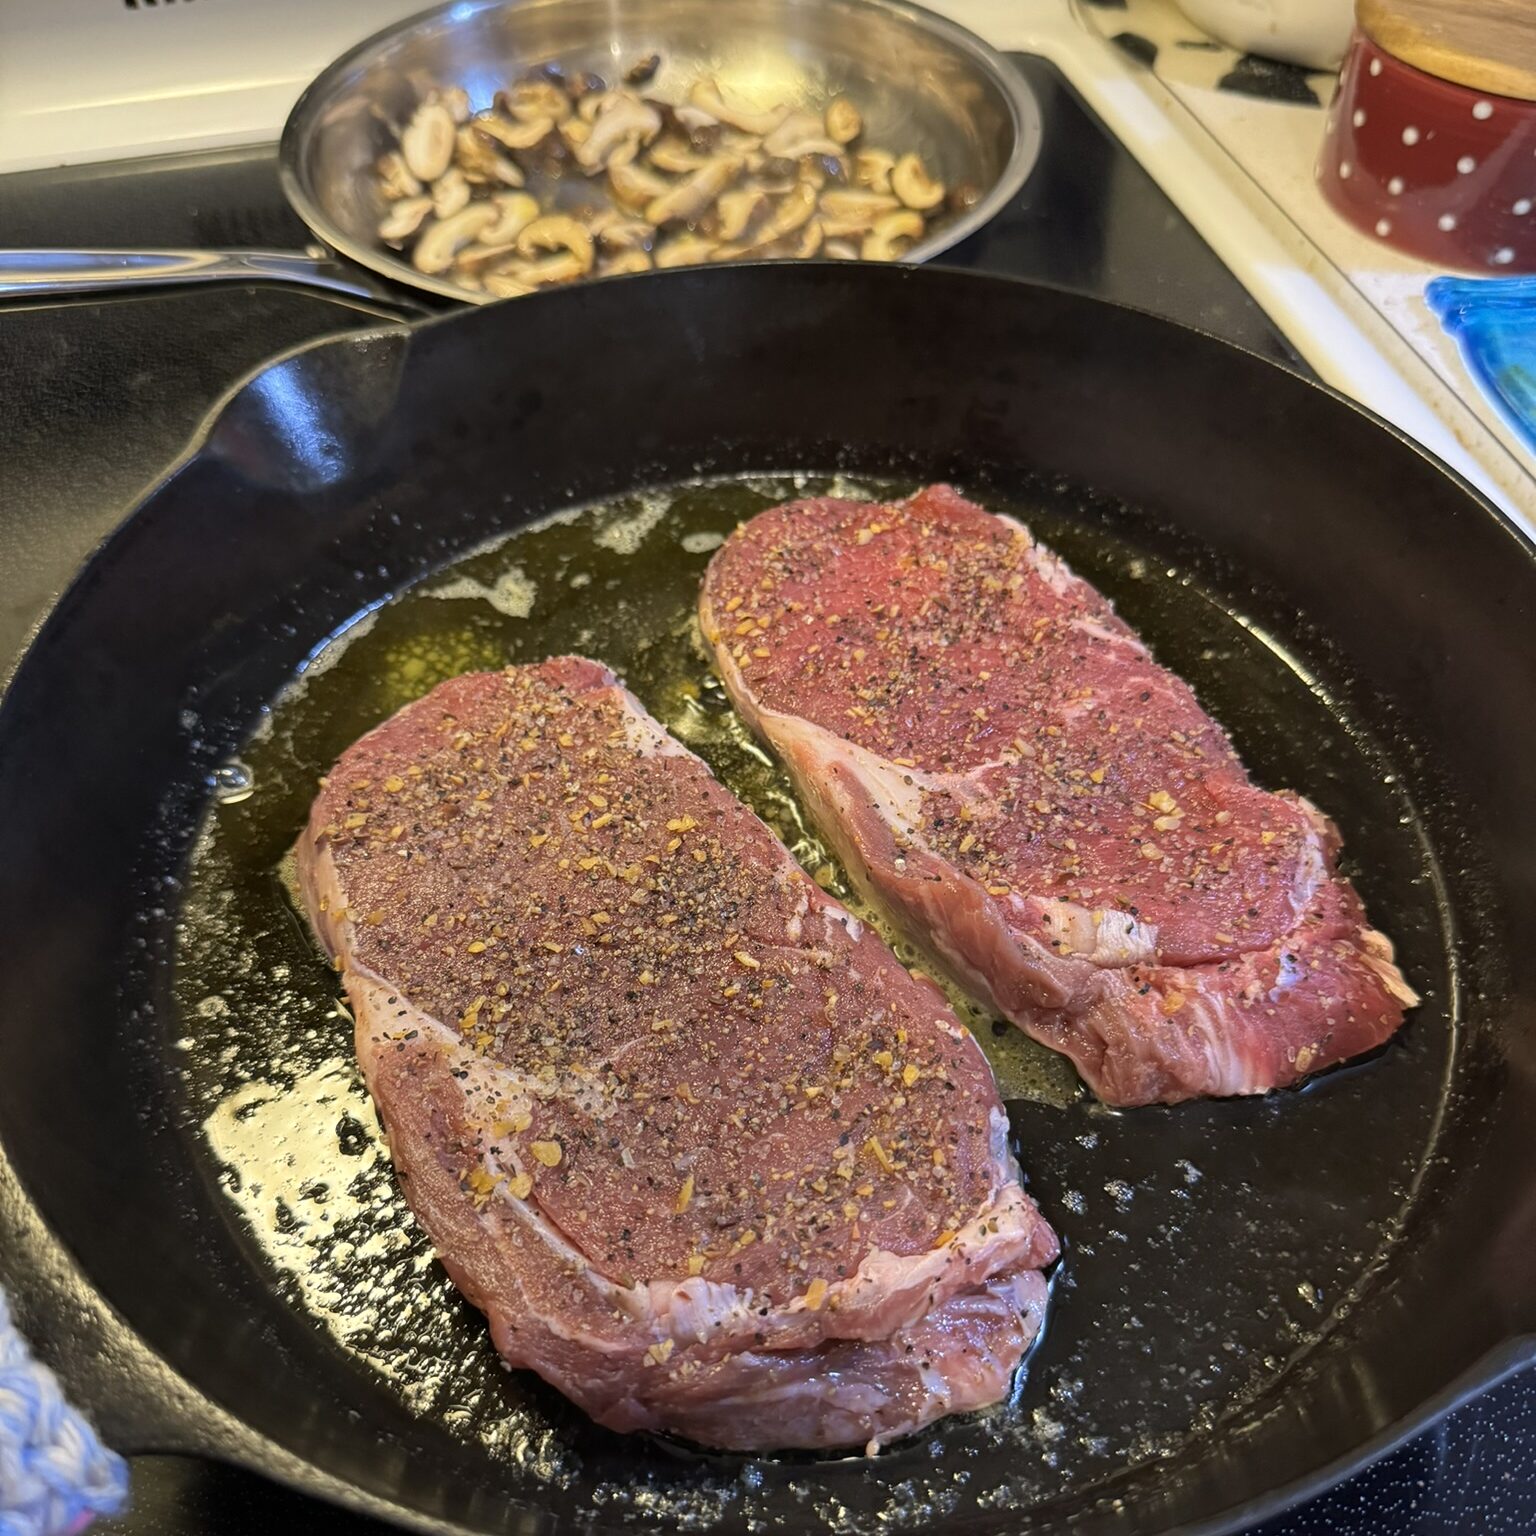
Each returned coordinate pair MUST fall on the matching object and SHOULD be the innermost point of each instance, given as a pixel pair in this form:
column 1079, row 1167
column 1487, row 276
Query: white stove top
column 91, row 80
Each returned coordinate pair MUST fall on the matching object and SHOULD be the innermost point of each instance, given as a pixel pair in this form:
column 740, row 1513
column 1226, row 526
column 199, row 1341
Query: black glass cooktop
column 99, row 396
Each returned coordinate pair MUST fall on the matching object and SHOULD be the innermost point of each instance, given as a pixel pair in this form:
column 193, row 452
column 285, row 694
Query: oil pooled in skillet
column 1239, row 1229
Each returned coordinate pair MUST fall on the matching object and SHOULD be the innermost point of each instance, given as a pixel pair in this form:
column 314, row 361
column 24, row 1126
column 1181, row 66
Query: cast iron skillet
column 1374, row 1237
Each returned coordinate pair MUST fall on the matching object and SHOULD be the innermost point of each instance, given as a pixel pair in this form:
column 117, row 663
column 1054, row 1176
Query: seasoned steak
column 706, row 1155
column 1005, row 769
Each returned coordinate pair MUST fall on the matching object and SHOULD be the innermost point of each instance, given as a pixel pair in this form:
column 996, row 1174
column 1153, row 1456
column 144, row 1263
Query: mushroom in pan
column 476, row 155
column 892, row 234
column 706, row 96
column 625, row 118
column 514, row 133
column 634, row 186
column 441, row 241
column 427, row 143
column 872, row 168
column 625, row 261
column 689, row 198
column 530, row 101
column 799, row 135
column 450, row 192
column 395, row 178
column 911, row 182
column 852, row 211
column 684, row 251
column 843, row 122
column 404, row 218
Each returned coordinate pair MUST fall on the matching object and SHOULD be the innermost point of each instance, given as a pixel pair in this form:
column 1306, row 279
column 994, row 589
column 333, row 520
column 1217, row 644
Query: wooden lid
column 1489, row 45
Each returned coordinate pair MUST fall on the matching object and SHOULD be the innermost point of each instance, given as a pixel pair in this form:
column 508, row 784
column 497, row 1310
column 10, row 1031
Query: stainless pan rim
column 300, row 126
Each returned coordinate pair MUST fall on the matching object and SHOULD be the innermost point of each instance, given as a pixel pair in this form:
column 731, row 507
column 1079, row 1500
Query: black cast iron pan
column 1255, row 1298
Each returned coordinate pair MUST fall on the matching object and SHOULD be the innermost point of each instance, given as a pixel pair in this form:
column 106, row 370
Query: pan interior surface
column 1242, row 1232
column 1252, row 1292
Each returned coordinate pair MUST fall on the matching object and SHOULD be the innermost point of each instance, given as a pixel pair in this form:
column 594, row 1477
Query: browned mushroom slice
column 851, row 211
column 911, row 182
column 799, row 135
column 892, row 234
column 514, row 133
column 843, row 122
column 675, row 156
column 478, row 156
column 529, row 101
column 634, row 186
column 515, row 212
column 441, row 241
column 404, row 219
column 427, row 143
column 504, row 286
column 625, row 261
column 395, row 178
column 735, row 211
column 626, row 118
column 872, row 168
column 689, row 198
column 557, row 232
column 684, row 251
column 450, row 192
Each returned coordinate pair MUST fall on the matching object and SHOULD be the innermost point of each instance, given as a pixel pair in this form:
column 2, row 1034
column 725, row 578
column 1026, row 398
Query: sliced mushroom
column 810, row 240
column 456, row 99
column 688, row 199
column 793, row 212
column 800, row 134
column 616, row 233
column 635, row 186
column 872, row 168
column 575, row 133
column 563, row 267
column 911, row 182
column 530, row 100
column 427, row 143
column 483, row 254
column 676, row 157
column 442, row 241
column 892, row 234
column 395, row 179
column 481, row 161
column 450, row 192
column 849, row 211
column 515, row 212
column 843, row 122
column 643, row 69
column 591, row 106
column 626, row 118
column 625, row 261
column 684, row 251
column 504, row 286
column 404, row 219
column 516, row 135
column 557, row 232
column 840, row 250
column 736, row 211
column 694, row 119
column 706, row 96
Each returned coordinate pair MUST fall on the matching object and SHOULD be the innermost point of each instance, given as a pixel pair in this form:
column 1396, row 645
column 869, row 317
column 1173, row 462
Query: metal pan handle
column 35, row 272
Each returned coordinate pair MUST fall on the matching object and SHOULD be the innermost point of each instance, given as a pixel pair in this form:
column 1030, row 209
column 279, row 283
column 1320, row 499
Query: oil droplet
column 233, row 782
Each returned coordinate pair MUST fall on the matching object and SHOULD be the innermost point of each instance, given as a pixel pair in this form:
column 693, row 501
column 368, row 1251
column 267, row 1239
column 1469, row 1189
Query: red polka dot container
column 1441, row 171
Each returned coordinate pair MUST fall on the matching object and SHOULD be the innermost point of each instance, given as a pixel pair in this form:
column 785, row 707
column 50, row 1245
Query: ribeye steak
column 1005, row 769
column 706, row 1155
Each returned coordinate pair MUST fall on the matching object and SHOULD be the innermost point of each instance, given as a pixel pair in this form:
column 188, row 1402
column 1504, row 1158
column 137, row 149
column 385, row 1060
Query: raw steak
column 1004, row 768
column 706, row 1155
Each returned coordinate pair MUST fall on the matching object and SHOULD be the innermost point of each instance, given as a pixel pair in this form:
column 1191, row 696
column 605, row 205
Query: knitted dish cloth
column 55, row 1475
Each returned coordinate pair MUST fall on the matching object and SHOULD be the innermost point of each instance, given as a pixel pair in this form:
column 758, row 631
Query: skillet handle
column 38, row 272
column 133, row 1398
